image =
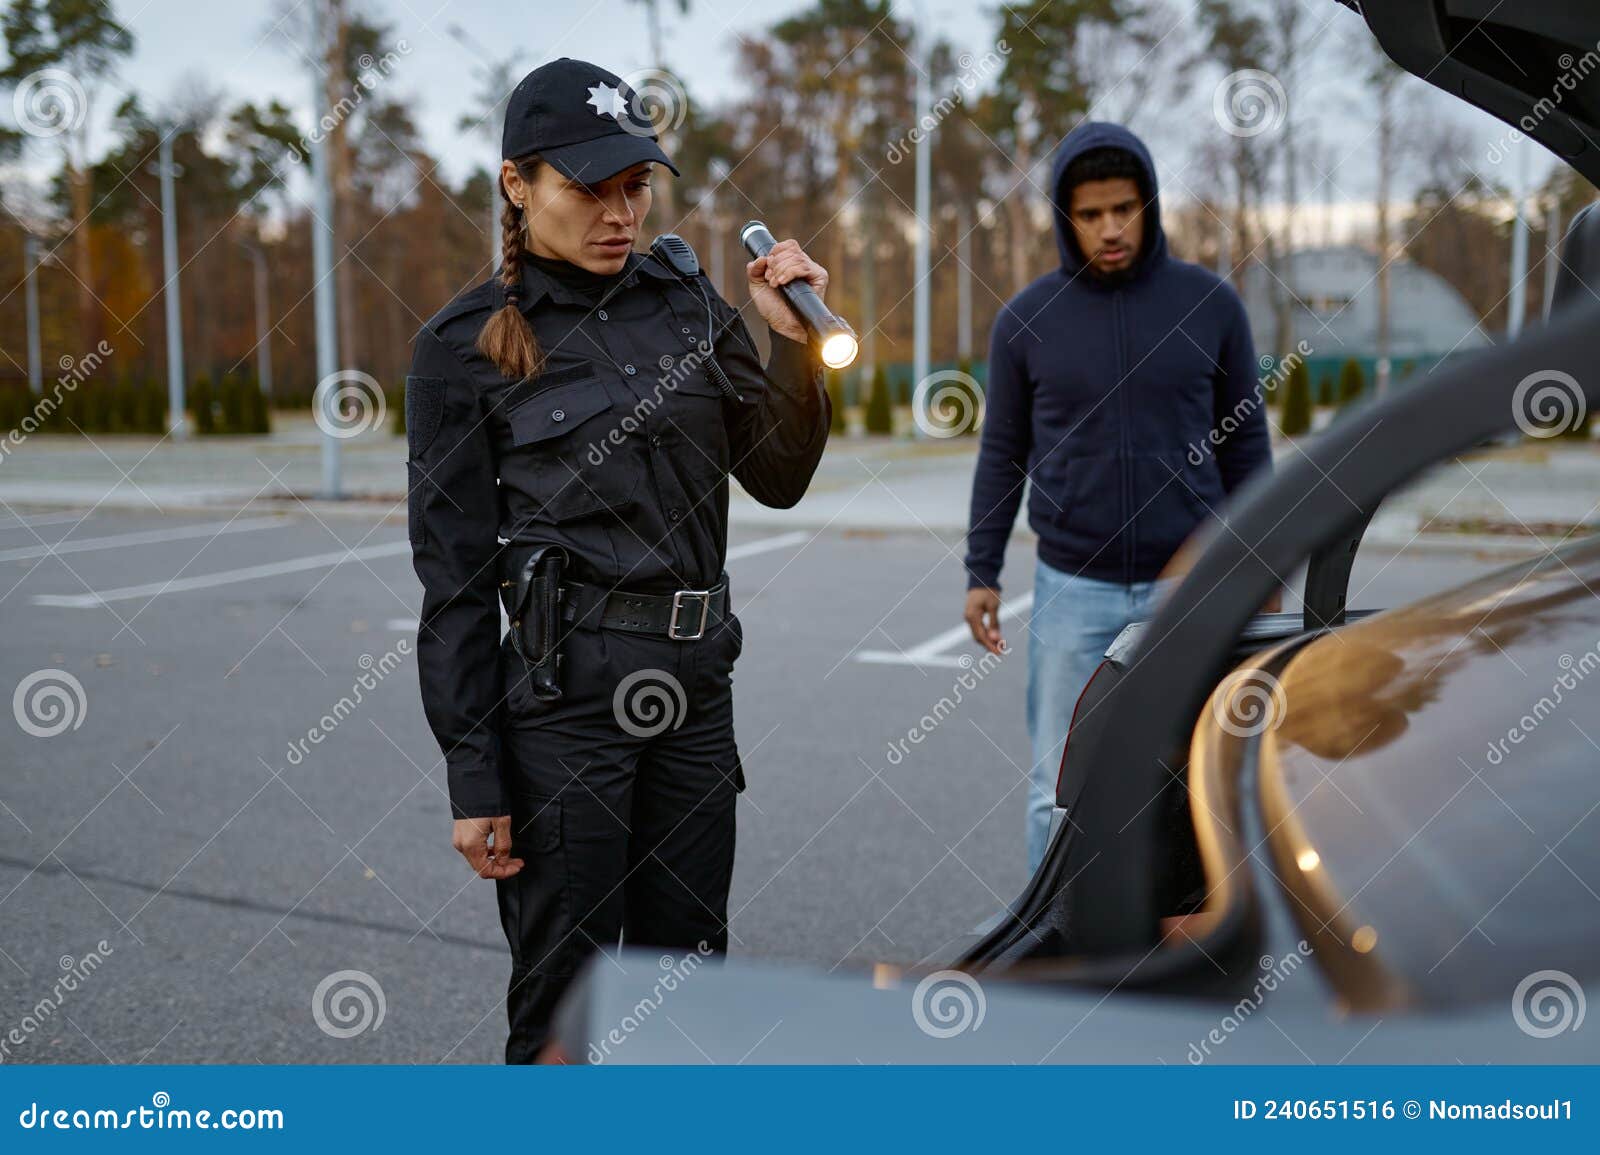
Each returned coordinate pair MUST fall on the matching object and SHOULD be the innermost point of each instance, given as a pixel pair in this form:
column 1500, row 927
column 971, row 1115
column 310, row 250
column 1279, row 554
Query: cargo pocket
column 535, row 907
column 539, row 824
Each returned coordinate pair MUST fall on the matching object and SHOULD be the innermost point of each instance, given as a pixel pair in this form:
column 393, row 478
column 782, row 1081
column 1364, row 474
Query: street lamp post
column 30, row 249
column 323, row 300
column 920, row 298
column 177, row 424
column 718, row 170
column 964, row 228
column 1518, row 304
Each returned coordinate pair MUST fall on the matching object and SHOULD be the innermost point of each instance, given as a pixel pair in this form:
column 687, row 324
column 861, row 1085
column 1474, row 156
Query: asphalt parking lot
column 182, row 816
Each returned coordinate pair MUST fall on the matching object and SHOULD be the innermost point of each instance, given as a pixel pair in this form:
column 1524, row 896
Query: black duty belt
column 682, row 616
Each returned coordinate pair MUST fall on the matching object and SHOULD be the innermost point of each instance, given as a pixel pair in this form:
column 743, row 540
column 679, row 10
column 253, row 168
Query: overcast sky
column 233, row 44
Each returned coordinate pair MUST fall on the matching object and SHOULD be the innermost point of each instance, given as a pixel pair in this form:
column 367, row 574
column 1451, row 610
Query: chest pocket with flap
column 560, row 432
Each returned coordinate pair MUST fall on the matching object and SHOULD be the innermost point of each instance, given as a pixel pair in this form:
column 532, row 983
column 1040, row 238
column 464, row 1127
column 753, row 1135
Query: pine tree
column 257, row 419
column 1325, row 390
column 880, row 410
column 1352, row 383
column 835, row 383
column 1296, row 402
column 153, row 406
column 230, row 392
column 970, row 425
column 124, row 405
column 200, row 402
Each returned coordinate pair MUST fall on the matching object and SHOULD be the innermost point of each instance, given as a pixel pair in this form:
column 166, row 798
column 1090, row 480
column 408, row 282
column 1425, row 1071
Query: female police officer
column 572, row 423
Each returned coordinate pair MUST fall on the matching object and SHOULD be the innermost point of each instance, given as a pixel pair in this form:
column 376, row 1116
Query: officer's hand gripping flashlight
column 836, row 339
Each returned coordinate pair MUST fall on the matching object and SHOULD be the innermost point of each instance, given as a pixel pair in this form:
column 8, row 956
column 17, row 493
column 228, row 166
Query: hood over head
column 1089, row 135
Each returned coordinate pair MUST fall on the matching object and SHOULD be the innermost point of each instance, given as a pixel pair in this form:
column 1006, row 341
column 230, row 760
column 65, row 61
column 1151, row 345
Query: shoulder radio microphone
column 678, row 255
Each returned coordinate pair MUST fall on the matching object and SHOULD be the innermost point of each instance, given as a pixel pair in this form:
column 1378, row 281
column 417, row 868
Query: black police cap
column 585, row 121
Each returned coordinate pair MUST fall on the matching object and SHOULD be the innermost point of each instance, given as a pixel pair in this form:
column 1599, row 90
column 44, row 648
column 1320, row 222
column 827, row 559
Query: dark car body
column 1291, row 837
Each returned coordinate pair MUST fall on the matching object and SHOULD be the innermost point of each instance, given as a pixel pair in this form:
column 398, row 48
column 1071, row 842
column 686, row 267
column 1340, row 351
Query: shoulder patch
column 424, row 402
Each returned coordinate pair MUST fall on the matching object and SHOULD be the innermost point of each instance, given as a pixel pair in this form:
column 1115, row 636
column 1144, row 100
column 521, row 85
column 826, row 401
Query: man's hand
column 983, row 619
column 470, row 836
column 785, row 262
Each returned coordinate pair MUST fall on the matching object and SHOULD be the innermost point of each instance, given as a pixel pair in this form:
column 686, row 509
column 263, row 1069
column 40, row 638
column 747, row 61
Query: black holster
column 535, row 612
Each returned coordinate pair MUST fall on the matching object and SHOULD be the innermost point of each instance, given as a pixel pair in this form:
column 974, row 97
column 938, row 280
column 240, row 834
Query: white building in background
column 1338, row 315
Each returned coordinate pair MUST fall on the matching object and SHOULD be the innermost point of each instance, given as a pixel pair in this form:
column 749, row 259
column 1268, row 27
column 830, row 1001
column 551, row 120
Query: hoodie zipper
column 1124, row 500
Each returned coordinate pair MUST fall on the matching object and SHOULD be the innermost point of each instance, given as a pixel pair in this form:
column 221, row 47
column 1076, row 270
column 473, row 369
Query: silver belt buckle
column 677, row 609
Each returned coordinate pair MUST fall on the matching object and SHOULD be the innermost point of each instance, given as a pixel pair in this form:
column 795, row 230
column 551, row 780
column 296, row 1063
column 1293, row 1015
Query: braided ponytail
column 506, row 338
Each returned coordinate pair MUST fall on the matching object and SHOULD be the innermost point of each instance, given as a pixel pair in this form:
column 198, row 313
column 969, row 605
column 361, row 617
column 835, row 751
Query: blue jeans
column 1073, row 620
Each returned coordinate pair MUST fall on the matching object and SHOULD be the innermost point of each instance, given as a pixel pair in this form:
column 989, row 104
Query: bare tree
column 1285, row 19
column 1384, row 79
column 61, row 54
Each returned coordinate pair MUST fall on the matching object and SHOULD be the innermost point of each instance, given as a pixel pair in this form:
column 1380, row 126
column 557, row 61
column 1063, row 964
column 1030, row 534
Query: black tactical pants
column 622, row 801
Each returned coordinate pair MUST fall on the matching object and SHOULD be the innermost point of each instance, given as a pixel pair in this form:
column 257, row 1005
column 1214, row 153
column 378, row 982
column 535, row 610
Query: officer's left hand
column 470, row 837
column 785, row 262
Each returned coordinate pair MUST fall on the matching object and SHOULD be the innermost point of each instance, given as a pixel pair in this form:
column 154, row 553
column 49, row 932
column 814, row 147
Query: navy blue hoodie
column 1132, row 406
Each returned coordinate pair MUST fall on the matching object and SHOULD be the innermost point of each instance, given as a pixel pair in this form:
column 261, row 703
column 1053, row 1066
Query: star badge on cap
column 607, row 101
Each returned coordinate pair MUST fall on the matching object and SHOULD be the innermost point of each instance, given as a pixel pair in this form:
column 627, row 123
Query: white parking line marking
column 226, row 577
column 931, row 652
column 768, row 544
column 142, row 537
column 747, row 549
column 43, row 519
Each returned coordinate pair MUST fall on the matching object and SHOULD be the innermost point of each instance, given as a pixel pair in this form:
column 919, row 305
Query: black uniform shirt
column 619, row 451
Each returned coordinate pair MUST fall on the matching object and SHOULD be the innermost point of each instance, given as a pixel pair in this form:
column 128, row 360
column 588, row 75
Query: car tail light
column 1073, row 725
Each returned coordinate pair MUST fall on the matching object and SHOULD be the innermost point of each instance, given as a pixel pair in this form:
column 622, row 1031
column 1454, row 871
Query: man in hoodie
column 1109, row 379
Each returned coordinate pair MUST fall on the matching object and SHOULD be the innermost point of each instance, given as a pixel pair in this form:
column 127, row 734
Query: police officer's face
column 592, row 225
